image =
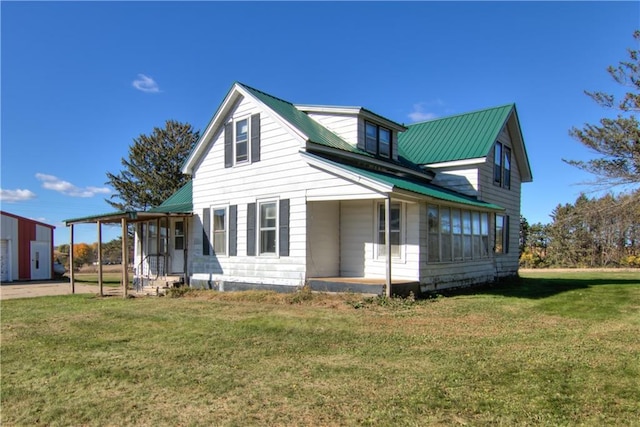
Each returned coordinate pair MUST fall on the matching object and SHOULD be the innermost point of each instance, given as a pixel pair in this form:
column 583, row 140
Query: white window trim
column 379, row 252
column 259, row 253
column 212, row 209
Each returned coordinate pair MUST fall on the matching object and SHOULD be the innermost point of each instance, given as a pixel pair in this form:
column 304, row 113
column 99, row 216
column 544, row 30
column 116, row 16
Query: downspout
column 387, row 243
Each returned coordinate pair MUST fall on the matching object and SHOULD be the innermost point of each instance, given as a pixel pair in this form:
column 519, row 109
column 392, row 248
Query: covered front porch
column 160, row 246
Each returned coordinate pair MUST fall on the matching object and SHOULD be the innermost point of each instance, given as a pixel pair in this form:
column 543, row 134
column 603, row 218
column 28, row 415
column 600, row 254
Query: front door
column 40, row 260
column 177, row 258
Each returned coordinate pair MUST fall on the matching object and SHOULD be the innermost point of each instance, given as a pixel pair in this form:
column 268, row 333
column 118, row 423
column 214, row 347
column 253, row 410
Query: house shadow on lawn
column 536, row 287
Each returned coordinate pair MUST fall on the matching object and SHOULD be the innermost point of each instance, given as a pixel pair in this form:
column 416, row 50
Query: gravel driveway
column 52, row 287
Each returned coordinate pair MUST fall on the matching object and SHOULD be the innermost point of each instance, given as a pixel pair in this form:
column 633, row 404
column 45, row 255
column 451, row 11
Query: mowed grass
column 552, row 349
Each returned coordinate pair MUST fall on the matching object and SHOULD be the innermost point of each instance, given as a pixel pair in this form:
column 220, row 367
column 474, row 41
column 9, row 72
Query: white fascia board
column 320, row 163
column 330, row 109
column 209, row 131
column 358, row 111
column 454, row 163
column 297, row 133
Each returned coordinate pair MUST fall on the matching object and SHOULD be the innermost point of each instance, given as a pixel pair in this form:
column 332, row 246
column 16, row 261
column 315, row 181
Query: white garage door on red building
column 26, row 249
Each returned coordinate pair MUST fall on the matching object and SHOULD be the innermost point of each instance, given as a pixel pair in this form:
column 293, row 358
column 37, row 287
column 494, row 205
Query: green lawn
column 554, row 349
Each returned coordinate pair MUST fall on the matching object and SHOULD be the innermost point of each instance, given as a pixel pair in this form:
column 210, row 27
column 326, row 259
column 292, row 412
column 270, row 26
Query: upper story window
column 242, row 140
column 502, row 165
column 377, row 140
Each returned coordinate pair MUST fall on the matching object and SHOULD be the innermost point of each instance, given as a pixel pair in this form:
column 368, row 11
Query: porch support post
column 125, row 264
column 185, row 256
column 100, row 257
column 71, row 272
column 387, row 242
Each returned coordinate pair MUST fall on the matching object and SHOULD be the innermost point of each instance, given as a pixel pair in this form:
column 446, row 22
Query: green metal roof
column 314, row 130
column 460, row 137
column 422, row 188
column 180, row 202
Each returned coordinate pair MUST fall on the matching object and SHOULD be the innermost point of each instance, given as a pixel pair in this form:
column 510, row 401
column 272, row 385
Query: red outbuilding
column 26, row 249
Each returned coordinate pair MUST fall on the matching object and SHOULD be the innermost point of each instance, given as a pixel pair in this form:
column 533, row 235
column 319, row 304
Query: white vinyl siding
column 281, row 173
column 343, row 125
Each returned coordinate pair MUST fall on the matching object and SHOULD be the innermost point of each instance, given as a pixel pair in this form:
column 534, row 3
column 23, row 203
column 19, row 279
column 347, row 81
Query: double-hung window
column 502, row 165
column 394, row 230
column 268, row 228
column 377, row 140
column 219, row 231
column 501, row 234
column 242, row 140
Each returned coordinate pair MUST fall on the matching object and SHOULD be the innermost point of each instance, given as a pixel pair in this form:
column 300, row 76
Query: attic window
column 377, row 140
column 242, row 138
column 502, row 165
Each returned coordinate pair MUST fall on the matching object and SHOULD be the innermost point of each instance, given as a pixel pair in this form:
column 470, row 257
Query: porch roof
column 179, row 204
column 412, row 185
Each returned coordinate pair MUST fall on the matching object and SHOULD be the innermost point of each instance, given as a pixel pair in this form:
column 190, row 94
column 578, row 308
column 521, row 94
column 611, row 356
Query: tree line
column 84, row 253
column 592, row 232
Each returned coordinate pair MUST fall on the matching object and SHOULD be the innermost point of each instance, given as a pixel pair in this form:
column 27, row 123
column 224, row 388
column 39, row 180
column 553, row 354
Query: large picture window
column 394, row 230
column 456, row 234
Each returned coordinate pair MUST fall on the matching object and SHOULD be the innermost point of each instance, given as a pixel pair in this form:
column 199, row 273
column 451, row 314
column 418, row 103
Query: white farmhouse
column 338, row 198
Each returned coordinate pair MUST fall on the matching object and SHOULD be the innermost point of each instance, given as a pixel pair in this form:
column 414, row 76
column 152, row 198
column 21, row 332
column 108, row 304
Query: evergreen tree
column 152, row 173
column 616, row 139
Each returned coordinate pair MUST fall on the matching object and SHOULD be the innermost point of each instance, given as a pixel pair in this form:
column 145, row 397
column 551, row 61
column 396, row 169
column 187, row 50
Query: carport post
column 125, row 263
column 100, row 257
column 71, row 277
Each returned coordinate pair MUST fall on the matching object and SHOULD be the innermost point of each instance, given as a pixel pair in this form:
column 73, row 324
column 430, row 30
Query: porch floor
column 363, row 285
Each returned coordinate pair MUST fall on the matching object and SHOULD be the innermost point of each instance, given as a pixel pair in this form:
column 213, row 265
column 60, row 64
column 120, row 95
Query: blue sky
column 80, row 80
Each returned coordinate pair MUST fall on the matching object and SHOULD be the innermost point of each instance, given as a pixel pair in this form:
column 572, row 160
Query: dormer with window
column 359, row 127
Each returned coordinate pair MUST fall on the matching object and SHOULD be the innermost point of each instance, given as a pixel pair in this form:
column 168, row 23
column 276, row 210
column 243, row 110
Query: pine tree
column 616, row 139
column 152, row 173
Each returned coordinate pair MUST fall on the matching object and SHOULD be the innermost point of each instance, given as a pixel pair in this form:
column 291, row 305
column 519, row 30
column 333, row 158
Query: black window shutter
column 506, row 234
column 284, row 228
column 255, row 138
column 251, row 229
column 228, row 145
column 206, row 226
column 362, row 136
column 233, row 230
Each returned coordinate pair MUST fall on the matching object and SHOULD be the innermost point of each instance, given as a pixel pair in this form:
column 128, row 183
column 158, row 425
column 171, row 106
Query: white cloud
column 12, row 196
column 146, row 84
column 419, row 114
column 54, row 183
